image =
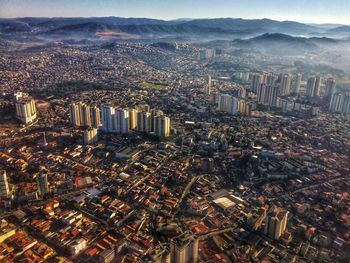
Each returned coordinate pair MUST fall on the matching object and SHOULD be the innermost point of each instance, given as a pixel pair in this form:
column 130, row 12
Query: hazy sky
column 318, row 11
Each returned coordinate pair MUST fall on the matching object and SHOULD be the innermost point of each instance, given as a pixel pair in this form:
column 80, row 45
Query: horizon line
column 174, row 19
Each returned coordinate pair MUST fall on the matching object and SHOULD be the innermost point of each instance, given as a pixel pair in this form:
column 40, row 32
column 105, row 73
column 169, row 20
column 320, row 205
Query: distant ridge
column 186, row 29
column 340, row 29
column 155, row 26
column 275, row 40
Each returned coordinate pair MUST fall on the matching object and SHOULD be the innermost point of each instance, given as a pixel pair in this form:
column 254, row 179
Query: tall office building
column 271, row 79
column 296, row 106
column 206, row 53
column 154, row 113
column 249, row 106
column 310, row 87
column 256, row 219
column 276, row 222
column 346, row 104
column 267, row 95
column 121, row 121
column 214, row 97
column 95, row 114
column 4, row 185
column 238, row 92
column 25, row 108
column 132, row 119
column 184, row 249
column 297, row 83
column 210, row 52
column 90, row 136
column 245, row 107
column 208, row 87
column 283, row 104
column 285, row 84
column 242, row 76
column 144, row 121
column 75, row 114
column 162, row 126
column 317, row 86
column 201, row 55
column 264, row 77
column 82, row 115
column 336, row 103
column 232, row 109
column 42, row 184
column 85, row 115
column 228, row 104
column 330, row 87
column 241, row 106
column 107, row 118
column 340, row 103
column 256, row 80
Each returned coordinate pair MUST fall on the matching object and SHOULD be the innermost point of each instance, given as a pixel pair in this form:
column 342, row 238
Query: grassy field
column 149, row 85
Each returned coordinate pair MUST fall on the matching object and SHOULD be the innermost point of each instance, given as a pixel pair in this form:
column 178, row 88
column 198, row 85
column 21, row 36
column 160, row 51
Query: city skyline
column 301, row 11
column 130, row 139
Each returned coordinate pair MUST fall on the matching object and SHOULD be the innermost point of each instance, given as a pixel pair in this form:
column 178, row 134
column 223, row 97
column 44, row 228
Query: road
column 186, row 190
column 315, row 185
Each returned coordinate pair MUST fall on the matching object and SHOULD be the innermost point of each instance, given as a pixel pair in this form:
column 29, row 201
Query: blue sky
column 318, row 11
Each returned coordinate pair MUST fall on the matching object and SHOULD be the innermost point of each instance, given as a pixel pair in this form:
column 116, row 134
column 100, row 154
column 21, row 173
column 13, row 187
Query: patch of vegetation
column 150, row 85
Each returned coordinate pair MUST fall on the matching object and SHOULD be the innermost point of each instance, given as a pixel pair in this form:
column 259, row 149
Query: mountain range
column 225, row 28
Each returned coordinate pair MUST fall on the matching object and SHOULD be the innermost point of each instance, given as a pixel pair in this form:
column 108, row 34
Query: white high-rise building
column 121, row 121
column 270, row 79
column 245, row 107
column 336, row 102
column 132, row 119
column 340, row 103
column 330, row 87
column 75, row 114
column 297, row 83
column 283, row 104
column 144, row 121
column 317, row 86
column 155, row 113
column 276, row 222
column 95, row 116
column 85, row 115
column 90, row 136
column 184, row 249
column 310, row 87
column 346, row 104
column 82, row 115
column 256, row 80
column 267, row 95
column 228, row 103
column 241, row 106
column 25, row 108
column 285, row 84
column 208, row 90
column 214, row 98
column 107, row 118
column 4, row 186
column 162, row 126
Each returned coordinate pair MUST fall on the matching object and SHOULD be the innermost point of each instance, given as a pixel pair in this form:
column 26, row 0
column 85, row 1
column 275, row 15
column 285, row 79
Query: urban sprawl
column 136, row 153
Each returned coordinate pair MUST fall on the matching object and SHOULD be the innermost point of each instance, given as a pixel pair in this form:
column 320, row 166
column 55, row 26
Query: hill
column 144, row 26
column 278, row 43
